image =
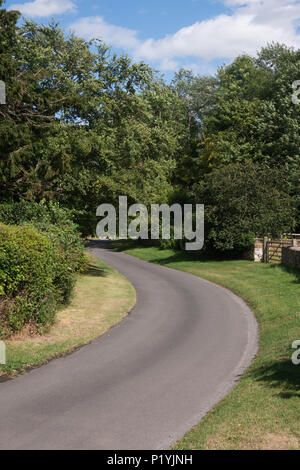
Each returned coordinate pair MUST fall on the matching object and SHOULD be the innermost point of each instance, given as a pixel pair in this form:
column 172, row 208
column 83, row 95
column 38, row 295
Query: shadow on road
column 98, row 244
column 94, row 269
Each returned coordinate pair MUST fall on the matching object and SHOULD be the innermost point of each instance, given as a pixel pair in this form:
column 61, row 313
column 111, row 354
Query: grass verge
column 101, row 299
column 263, row 409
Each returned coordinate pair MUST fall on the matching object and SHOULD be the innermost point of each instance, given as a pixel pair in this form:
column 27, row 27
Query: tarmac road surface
column 148, row 380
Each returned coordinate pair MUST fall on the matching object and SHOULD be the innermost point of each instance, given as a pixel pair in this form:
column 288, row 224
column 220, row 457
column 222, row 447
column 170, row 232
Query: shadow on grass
column 95, row 271
column 294, row 271
column 123, row 245
column 176, row 256
column 280, row 374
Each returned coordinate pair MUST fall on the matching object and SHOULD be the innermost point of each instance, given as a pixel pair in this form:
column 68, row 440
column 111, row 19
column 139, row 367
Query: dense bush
column 17, row 213
column 70, row 257
column 28, row 288
column 38, row 262
column 171, row 244
column 51, row 219
column 244, row 201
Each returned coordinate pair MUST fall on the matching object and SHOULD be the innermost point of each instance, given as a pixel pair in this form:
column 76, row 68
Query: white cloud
column 93, row 27
column 40, row 8
column 250, row 25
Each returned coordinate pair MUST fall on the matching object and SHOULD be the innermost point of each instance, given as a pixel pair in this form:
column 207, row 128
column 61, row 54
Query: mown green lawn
column 263, row 409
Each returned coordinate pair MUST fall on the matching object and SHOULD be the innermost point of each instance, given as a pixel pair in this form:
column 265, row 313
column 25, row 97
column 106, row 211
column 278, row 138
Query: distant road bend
column 148, row 380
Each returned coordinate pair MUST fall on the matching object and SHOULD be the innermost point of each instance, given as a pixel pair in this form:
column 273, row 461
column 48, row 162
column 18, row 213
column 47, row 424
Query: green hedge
column 52, row 220
column 27, row 274
column 38, row 264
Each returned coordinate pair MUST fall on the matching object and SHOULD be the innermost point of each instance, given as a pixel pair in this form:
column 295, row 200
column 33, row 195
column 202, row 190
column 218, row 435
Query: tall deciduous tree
column 244, row 201
column 82, row 125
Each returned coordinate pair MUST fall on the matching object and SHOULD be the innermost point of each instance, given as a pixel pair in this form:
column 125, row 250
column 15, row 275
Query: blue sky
column 169, row 34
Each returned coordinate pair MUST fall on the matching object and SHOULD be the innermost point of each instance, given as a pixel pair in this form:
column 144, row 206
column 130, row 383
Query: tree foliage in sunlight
column 83, row 125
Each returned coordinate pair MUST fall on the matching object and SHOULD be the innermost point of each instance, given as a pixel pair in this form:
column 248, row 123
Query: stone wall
column 291, row 257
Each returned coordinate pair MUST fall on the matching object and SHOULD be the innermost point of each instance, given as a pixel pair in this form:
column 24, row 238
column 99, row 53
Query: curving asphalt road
column 148, row 380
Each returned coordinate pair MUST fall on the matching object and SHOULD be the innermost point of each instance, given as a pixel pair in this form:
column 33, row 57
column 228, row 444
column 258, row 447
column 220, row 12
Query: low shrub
column 38, row 263
column 52, row 220
column 28, row 293
column 69, row 256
